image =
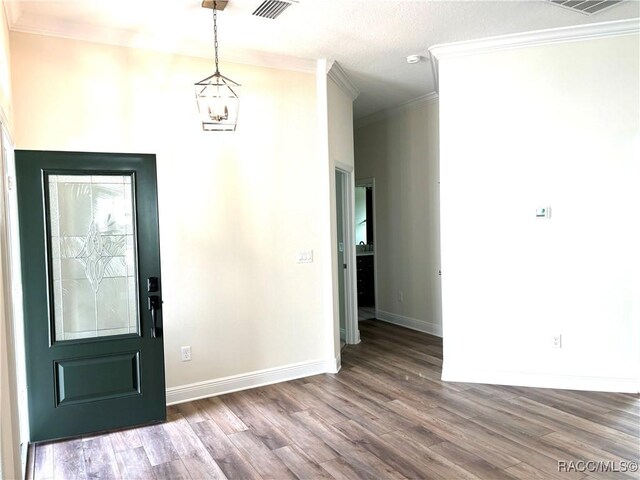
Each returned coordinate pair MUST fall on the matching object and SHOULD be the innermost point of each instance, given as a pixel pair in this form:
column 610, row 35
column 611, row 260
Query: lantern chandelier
column 216, row 95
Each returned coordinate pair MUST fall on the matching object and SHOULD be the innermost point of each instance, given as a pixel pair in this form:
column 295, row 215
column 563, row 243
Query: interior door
column 91, row 275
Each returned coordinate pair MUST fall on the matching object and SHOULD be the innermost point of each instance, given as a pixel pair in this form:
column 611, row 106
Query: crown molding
column 338, row 75
column 537, row 38
column 431, row 97
column 24, row 23
column 425, row 99
column 270, row 60
column 13, row 13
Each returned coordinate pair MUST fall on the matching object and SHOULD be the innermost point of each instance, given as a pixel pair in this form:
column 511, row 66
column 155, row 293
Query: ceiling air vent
column 272, row 8
column 588, row 7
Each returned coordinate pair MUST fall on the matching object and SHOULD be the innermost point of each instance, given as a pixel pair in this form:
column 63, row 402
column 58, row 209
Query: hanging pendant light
column 216, row 95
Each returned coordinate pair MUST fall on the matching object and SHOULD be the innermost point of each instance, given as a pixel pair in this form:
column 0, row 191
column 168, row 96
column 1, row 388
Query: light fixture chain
column 215, row 95
column 215, row 35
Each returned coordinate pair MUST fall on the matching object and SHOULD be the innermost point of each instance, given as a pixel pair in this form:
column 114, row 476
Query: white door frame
column 12, row 280
column 352, row 332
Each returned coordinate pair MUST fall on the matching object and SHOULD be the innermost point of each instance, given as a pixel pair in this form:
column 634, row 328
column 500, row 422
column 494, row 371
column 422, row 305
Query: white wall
column 10, row 454
column 399, row 148
column 340, row 153
column 550, row 125
column 340, row 108
column 5, row 71
column 235, row 208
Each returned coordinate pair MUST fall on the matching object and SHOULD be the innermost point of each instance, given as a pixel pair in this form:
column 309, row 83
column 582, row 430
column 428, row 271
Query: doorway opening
column 346, row 255
column 365, row 248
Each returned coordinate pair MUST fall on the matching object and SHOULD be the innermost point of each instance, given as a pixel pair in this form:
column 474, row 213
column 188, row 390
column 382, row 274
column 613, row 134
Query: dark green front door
column 91, row 285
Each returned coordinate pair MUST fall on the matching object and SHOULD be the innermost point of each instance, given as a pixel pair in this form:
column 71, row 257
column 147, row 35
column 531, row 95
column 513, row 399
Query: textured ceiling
column 369, row 38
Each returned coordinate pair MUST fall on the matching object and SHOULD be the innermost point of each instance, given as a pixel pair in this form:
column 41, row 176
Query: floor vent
column 588, row 7
column 272, row 8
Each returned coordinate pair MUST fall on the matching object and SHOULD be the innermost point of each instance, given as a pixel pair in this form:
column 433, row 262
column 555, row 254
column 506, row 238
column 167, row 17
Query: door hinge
column 9, row 182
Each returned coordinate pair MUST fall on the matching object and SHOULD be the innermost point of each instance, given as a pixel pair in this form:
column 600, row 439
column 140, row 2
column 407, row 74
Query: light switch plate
column 305, row 256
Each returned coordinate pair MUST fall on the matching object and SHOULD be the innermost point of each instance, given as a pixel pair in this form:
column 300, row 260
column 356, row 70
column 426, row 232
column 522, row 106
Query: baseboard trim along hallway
column 538, row 380
column 408, row 322
column 234, row 383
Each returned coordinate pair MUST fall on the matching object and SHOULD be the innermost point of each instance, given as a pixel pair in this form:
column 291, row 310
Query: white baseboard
column 333, row 366
column 234, row 383
column 343, row 336
column 539, row 380
column 408, row 322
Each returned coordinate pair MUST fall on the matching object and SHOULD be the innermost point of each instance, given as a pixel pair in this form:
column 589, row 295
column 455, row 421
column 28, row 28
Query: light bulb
column 218, row 110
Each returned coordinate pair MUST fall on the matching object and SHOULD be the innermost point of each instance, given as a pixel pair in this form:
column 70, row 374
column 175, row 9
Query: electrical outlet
column 185, row 354
column 400, row 296
column 557, row 341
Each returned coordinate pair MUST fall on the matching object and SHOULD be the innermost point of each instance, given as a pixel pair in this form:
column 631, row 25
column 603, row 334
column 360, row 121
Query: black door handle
column 154, row 306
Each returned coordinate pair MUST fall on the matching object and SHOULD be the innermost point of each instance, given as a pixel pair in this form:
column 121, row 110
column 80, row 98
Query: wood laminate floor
column 386, row 415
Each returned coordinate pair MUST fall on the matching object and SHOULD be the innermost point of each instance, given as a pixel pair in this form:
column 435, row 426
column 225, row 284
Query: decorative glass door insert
column 92, row 248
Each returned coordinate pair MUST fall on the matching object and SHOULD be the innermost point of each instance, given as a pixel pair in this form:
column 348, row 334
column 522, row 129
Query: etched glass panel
column 93, row 256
